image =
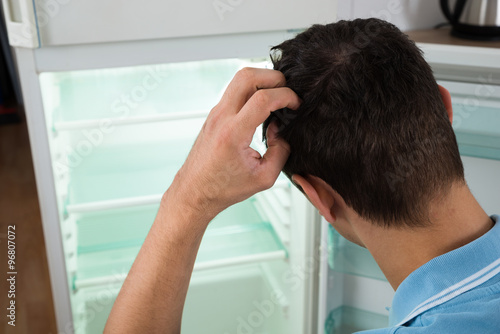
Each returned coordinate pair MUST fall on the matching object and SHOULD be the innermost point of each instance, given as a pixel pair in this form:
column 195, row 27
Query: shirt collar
column 447, row 276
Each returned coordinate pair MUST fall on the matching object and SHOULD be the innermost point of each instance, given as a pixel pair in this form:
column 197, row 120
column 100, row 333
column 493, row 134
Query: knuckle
column 216, row 119
column 211, row 122
column 214, row 116
column 261, row 97
column 246, row 74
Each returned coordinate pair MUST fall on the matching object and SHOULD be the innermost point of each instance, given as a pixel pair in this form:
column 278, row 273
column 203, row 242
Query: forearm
column 152, row 297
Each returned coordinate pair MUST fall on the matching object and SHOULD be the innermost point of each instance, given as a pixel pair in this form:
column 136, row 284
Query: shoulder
column 473, row 312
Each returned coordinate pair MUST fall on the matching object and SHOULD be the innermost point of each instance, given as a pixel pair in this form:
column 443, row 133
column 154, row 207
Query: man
column 365, row 132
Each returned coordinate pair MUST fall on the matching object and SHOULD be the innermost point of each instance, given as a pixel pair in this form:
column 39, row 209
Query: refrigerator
column 115, row 94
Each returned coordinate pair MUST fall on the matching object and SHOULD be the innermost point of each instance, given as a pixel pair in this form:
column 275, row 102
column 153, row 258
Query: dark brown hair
column 372, row 123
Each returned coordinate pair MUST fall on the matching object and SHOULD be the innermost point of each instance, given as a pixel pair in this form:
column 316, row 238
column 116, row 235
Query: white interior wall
column 405, row 14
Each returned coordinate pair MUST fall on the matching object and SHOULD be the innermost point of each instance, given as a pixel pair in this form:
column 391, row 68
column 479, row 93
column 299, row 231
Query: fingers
column 275, row 157
column 260, row 106
column 246, row 82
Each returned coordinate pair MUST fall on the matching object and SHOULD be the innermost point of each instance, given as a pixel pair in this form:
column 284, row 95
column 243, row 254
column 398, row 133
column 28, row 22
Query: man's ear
column 446, row 96
column 319, row 194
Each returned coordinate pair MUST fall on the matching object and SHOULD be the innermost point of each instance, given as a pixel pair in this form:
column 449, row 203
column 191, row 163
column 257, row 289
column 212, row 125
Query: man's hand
column 221, row 170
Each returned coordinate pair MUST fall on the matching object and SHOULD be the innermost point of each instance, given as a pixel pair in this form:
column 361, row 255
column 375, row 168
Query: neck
column 455, row 220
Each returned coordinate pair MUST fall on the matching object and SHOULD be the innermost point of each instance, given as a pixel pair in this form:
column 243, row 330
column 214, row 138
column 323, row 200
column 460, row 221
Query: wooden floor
column 19, row 207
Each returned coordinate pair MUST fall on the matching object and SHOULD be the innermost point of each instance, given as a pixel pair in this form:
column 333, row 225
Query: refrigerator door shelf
column 347, row 320
column 356, row 292
column 349, row 258
column 476, row 116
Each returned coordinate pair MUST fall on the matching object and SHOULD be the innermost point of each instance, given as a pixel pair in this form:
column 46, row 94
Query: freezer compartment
column 240, row 299
column 349, row 258
column 347, row 320
column 476, row 116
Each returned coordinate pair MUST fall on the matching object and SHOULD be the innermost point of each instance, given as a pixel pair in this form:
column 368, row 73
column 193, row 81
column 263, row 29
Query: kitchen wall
column 406, row 14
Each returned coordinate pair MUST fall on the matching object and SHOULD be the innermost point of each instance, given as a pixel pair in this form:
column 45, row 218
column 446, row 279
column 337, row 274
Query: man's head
column 372, row 124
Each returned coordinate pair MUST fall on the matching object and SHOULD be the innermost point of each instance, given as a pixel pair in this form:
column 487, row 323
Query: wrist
column 197, row 195
column 183, row 209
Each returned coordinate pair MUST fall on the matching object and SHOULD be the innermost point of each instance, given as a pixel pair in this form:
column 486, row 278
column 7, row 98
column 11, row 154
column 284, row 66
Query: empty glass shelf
column 133, row 165
column 478, row 131
column 347, row 257
column 108, row 242
column 114, row 229
column 476, row 116
column 220, row 301
column 143, row 90
column 347, row 320
column 131, row 162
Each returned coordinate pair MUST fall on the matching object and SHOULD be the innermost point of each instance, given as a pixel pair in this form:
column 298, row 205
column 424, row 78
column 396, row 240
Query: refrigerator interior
column 358, row 295
column 117, row 136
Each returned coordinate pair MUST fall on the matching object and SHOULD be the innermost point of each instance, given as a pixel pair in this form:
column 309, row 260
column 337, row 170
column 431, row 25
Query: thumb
column 277, row 152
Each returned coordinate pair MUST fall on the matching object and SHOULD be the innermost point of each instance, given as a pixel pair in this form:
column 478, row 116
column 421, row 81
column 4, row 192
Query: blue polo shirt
column 457, row 292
